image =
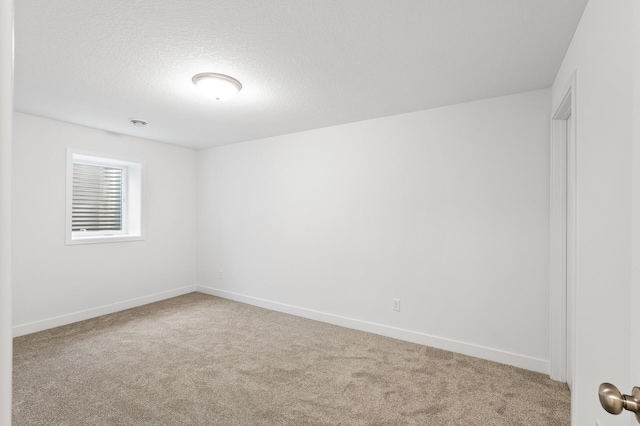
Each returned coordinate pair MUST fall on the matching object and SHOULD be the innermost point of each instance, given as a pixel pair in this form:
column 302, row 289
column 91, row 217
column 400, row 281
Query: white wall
column 56, row 284
column 446, row 209
column 6, row 120
column 601, row 52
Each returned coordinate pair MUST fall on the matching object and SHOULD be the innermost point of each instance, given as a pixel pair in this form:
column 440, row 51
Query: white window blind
column 98, row 196
column 104, row 199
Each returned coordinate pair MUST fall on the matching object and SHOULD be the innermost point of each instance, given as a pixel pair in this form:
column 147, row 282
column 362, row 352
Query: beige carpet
column 202, row 360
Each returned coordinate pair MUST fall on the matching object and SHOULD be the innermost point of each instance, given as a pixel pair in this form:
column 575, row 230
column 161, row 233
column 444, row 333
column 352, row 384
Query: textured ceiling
column 303, row 64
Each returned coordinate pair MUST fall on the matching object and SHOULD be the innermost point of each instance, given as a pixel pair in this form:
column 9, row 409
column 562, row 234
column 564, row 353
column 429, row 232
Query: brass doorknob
column 614, row 402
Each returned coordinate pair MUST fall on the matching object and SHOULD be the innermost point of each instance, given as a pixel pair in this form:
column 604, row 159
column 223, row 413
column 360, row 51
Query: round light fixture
column 217, row 86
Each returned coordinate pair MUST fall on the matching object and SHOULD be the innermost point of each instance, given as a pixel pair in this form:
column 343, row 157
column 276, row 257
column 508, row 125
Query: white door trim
column 558, row 225
column 6, row 122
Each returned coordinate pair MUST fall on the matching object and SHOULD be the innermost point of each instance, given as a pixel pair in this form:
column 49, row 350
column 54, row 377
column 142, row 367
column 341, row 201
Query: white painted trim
column 32, row 327
column 516, row 360
column 558, row 230
column 6, row 128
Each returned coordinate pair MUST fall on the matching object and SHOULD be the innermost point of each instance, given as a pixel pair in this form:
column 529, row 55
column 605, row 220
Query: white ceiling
column 304, row 64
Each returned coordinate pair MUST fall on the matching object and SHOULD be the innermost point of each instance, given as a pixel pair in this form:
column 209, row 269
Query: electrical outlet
column 395, row 304
column 220, row 275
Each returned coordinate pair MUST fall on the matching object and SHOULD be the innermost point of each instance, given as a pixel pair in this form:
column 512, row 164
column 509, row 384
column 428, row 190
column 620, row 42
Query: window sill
column 103, row 239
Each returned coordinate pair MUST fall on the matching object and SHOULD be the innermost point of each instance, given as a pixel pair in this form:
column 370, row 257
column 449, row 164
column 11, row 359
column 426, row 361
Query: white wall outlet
column 395, row 304
column 220, row 276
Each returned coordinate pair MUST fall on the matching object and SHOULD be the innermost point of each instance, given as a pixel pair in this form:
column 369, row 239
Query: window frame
column 133, row 199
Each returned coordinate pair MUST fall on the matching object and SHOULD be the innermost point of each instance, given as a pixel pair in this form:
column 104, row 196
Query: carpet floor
column 202, row 360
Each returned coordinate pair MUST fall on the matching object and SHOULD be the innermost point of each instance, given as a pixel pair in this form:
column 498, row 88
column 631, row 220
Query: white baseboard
column 32, row 327
column 509, row 358
column 503, row 357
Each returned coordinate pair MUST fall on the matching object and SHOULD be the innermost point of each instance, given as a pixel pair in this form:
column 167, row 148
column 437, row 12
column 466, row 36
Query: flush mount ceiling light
column 217, row 86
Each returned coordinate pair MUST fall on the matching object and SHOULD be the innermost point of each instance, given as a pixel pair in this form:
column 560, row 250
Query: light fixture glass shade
column 217, row 86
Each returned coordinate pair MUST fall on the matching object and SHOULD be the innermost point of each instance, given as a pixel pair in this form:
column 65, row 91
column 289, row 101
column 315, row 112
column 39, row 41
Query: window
column 104, row 199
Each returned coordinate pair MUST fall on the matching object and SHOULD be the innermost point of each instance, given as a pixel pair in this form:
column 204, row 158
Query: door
column 635, row 286
column 635, row 282
column 633, row 318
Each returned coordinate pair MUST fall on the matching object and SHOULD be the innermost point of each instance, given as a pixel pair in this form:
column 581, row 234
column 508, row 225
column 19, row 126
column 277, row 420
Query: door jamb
column 558, row 232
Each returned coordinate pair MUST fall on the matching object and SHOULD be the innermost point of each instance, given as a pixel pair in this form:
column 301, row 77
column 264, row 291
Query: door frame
column 6, row 123
column 560, row 232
